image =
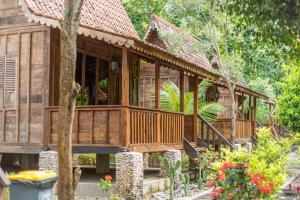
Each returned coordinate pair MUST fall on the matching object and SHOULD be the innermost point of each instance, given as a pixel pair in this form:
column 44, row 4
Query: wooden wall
column 23, row 78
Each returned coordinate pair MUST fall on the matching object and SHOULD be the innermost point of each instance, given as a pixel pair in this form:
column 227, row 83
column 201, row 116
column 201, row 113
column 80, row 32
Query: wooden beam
column 157, row 85
column 96, row 81
column 243, row 105
column 181, row 91
column 250, row 110
column 195, row 117
column 125, row 78
column 125, row 114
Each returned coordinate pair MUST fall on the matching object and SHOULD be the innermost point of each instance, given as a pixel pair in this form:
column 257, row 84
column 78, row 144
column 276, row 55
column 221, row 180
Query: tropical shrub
column 256, row 174
column 171, row 171
column 186, row 182
column 201, row 164
column 289, row 101
column 235, row 181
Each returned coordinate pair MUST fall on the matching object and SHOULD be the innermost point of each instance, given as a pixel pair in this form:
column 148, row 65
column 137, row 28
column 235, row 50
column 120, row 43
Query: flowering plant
column 105, row 183
column 235, row 181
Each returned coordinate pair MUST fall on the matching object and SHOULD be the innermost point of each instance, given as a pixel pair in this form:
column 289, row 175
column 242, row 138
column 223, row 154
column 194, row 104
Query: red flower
column 210, row 183
column 265, row 190
column 215, row 193
column 298, row 188
column 263, row 177
column 271, row 184
column 108, row 178
column 225, row 166
column 256, row 181
column 221, row 177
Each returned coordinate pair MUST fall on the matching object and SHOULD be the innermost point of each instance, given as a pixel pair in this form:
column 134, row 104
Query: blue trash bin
column 28, row 187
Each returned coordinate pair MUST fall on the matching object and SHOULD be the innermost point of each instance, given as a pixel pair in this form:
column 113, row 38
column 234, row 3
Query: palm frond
column 210, row 111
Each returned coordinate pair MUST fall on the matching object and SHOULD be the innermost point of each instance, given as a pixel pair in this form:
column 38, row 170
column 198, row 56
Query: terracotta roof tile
column 104, row 15
column 187, row 51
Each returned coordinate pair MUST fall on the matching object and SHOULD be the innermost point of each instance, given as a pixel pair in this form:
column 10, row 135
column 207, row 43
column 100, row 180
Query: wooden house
column 109, row 116
column 246, row 99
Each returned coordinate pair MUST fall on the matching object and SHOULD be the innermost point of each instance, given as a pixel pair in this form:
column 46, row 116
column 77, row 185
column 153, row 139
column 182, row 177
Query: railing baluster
column 211, row 134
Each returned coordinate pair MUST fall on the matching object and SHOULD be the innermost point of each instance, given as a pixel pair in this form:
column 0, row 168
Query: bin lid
column 33, row 175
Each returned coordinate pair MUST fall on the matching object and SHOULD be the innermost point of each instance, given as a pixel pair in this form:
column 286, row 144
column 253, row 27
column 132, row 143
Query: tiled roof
column 187, row 51
column 104, row 15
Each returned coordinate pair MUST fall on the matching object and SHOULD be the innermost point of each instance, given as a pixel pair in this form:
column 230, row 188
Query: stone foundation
column 172, row 156
column 238, row 147
column 129, row 175
column 48, row 160
column 146, row 160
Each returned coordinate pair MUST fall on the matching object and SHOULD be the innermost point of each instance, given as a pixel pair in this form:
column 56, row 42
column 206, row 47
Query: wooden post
column 195, row 114
column 254, row 117
column 243, row 106
column 125, row 130
column 157, row 85
column 250, row 109
column 157, row 100
column 181, row 91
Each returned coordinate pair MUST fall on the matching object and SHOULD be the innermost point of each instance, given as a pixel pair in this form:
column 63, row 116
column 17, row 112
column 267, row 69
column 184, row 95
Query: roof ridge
column 170, row 25
column 164, row 21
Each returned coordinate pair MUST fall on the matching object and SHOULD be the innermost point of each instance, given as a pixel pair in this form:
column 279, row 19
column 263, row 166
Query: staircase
column 209, row 138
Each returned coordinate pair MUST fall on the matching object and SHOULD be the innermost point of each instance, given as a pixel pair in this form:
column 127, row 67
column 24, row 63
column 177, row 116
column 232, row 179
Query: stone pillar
column 146, row 160
column 48, row 160
column 172, row 156
column 102, row 163
column 129, row 175
column 238, row 147
column 248, row 146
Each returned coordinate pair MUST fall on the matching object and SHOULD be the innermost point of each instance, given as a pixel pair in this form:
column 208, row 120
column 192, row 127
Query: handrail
column 189, row 149
column 259, row 124
column 254, row 139
column 216, row 133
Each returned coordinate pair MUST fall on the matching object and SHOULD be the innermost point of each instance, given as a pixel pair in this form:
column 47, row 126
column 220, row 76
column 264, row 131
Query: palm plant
column 170, row 100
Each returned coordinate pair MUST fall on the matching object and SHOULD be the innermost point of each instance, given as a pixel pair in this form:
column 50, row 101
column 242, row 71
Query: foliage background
column 264, row 36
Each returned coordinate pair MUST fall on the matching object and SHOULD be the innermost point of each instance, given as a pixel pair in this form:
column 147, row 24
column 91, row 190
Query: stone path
column 293, row 180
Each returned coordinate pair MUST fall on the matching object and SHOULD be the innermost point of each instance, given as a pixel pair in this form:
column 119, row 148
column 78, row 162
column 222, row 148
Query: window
column 10, row 75
column 8, row 81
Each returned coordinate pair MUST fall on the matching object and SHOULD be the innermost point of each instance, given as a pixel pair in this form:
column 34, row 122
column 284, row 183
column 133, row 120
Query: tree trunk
column 233, row 110
column 67, row 94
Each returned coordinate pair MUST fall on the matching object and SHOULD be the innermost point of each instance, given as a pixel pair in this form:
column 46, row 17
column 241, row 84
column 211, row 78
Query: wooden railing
column 150, row 126
column 104, row 126
column 210, row 136
column 244, row 128
column 93, row 125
